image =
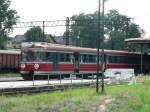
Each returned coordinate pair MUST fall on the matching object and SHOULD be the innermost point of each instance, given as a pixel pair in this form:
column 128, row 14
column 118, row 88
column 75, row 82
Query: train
column 10, row 60
column 47, row 58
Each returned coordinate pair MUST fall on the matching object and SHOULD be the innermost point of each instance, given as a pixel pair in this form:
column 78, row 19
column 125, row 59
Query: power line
column 56, row 23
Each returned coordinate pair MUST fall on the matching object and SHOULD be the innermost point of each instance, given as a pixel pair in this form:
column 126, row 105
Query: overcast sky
column 39, row 10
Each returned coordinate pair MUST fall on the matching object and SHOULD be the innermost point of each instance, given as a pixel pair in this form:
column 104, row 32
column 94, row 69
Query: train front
column 32, row 60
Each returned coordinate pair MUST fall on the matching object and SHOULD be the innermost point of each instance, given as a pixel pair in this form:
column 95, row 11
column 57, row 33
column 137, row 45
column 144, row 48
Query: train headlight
column 36, row 66
column 23, row 66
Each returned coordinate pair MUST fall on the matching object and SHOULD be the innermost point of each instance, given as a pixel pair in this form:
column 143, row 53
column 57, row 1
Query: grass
column 9, row 74
column 130, row 98
column 72, row 100
column 127, row 98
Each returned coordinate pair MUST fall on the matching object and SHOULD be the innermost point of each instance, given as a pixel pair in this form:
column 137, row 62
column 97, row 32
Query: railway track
column 38, row 86
column 40, row 89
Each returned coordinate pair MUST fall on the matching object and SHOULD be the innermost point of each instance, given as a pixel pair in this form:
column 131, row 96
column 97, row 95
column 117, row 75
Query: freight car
column 9, row 60
column 49, row 58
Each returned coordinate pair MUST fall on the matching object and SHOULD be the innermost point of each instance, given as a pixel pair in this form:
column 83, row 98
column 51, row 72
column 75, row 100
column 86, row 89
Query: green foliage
column 134, row 31
column 116, row 41
column 117, row 28
column 3, row 41
column 8, row 17
column 34, row 34
column 84, row 28
column 120, row 24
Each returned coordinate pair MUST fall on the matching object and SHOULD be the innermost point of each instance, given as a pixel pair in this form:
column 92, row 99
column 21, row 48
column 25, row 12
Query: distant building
column 19, row 38
column 55, row 39
column 17, row 41
column 60, row 39
column 9, row 44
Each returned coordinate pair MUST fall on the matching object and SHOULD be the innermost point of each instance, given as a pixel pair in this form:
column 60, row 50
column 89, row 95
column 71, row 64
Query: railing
column 73, row 78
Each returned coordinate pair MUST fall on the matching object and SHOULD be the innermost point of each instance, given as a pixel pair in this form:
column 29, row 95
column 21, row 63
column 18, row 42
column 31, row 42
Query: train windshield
column 31, row 56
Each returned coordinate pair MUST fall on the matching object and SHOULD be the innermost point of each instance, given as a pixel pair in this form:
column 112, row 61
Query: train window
column 67, row 57
column 84, row 58
column 92, row 58
column 30, row 56
column 123, row 59
column 115, row 59
column 88, row 58
column 64, row 57
column 48, row 56
column 39, row 56
column 24, row 56
column 110, row 59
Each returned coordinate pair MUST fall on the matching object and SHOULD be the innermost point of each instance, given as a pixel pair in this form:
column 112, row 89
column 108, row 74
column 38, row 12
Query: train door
column 76, row 62
column 145, row 63
column 55, row 61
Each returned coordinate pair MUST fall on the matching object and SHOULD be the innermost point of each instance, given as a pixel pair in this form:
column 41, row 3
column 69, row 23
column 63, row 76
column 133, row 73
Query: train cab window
column 30, row 56
column 39, row 56
column 48, row 56
column 24, row 56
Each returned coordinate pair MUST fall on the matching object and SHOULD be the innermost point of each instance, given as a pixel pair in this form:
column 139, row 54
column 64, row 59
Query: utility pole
column 100, row 35
column 127, row 27
column 102, row 43
column 67, row 30
column 43, row 31
column 98, row 46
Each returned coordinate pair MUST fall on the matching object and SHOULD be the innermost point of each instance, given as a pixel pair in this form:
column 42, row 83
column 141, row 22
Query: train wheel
column 27, row 76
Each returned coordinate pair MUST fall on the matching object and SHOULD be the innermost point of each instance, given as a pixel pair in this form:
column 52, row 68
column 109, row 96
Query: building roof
column 138, row 40
column 19, row 38
column 60, row 39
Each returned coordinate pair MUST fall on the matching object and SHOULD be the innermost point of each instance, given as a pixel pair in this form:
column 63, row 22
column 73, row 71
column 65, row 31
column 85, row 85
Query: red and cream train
column 50, row 58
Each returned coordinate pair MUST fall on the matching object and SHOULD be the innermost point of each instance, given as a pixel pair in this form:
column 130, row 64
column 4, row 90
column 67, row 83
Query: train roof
column 10, row 51
column 66, row 48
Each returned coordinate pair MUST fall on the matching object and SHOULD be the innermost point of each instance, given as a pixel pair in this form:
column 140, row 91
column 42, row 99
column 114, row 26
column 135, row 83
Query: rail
column 39, row 89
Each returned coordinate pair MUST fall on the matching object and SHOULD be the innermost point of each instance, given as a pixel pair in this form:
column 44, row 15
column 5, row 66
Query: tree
column 134, row 31
column 117, row 28
column 116, row 41
column 8, row 17
column 85, row 28
column 34, row 34
column 3, row 42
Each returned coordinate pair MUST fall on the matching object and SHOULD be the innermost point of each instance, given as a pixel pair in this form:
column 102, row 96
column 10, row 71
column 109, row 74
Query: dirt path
column 102, row 107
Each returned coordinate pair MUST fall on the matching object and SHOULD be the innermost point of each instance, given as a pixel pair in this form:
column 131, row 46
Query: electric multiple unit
column 47, row 58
